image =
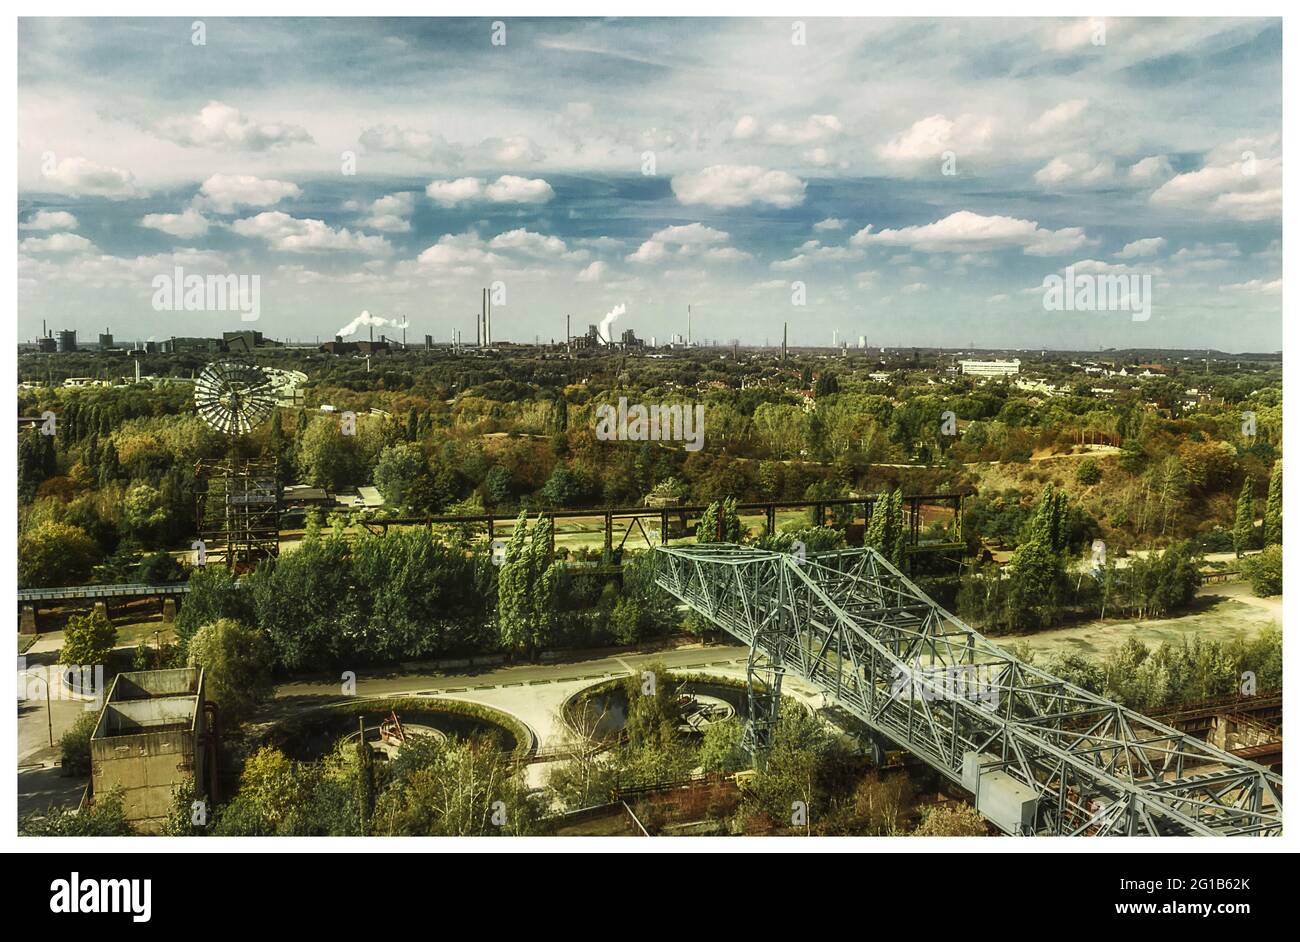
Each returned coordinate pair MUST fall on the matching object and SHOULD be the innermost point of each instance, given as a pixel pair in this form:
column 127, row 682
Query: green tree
column 527, row 588
column 52, row 553
column 400, row 467
column 1243, row 530
column 885, row 532
column 88, row 639
column 1273, row 508
column 236, row 662
column 720, row 523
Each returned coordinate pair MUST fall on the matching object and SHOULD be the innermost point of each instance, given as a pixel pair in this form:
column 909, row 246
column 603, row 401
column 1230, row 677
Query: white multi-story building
column 990, row 367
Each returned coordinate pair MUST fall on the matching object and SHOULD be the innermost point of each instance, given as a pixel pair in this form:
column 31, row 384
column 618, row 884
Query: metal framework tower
column 238, row 511
column 238, row 499
column 1041, row 755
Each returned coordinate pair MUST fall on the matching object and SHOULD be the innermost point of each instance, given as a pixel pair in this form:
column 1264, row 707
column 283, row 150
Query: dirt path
column 1230, row 612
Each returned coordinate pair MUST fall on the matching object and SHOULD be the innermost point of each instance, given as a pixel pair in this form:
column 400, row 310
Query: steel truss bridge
column 1041, row 756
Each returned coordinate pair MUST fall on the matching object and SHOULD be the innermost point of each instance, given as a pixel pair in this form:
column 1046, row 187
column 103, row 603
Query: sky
column 910, row 181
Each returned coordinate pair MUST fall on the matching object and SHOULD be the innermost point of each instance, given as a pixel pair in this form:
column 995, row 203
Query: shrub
column 1264, row 571
column 74, row 745
column 1088, row 472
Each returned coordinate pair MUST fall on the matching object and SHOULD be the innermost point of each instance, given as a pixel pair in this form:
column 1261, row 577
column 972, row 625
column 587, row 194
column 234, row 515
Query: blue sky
column 918, row 178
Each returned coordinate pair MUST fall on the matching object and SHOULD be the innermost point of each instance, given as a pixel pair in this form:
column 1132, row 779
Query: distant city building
column 67, row 341
column 106, row 341
column 990, row 367
column 342, row 347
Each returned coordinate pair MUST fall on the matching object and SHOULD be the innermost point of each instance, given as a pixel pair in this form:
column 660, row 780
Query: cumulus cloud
column 189, row 224
column 726, row 186
column 533, row 244
column 930, row 137
column 593, row 272
column 390, row 213
column 506, row 189
column 226, row 193
column 1143, row 248
column 61, row 243
column 81, row 177
column 965, row 231
column 48, row 221
column 1236, row 182
column 1151, row 170
column 829, row 225
column 458, row 254
column 1082, row 170
column 1062, row 117
column 289, row 234
column 222, row 127
column 690, row 241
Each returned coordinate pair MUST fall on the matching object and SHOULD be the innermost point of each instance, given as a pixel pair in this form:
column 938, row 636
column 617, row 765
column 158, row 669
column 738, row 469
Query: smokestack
column 785, row 337
column 688, row 325
column 568, row 334
column 487, row 293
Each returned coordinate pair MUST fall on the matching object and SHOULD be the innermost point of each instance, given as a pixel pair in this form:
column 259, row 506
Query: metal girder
column 863, row 634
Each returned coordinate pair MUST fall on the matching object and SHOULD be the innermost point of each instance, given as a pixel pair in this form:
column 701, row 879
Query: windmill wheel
column 234, row 398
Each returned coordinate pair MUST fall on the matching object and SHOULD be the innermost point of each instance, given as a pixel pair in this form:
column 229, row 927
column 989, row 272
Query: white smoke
column 366, row 319
column 608, row 321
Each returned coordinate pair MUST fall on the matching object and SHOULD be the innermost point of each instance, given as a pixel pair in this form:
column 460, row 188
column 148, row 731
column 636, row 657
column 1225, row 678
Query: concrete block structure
column 150, row 738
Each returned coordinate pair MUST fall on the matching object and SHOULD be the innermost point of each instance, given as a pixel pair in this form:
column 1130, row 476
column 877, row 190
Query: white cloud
column 390, row 213
column 693, row 240
column 1077, row 34
column 1256, row 286
column 930, row 137
column 1247, row 188
column 816, row 129
column 529, row 243
column 1143, row 248
column 506, row 189
column 47, row 221
column 458, row 254
column 1062, row 117
column 223, row 127
column 1150, row 170
column 61, row 243
column 289, row 234
column 225, row 193
column 965, row 231
column 726, row 186
column 829, row 225
column 189, row 224
column 593, row 272
column 1080, row 170
column 512, row 189
column 81, row 177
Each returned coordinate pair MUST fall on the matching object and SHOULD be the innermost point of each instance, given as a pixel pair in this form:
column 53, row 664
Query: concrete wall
column 148, row 742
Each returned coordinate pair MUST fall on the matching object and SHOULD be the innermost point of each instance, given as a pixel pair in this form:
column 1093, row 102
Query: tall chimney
column 688, row 325
column 487, row 293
